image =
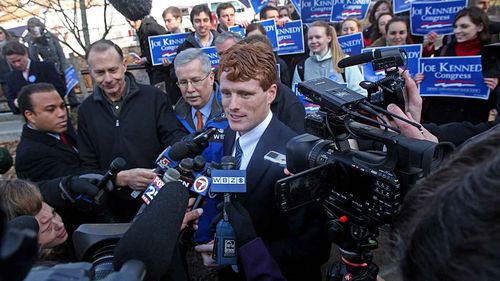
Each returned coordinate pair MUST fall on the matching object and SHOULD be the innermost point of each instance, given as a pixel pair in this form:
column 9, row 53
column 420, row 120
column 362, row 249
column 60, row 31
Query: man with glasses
column 201, row 108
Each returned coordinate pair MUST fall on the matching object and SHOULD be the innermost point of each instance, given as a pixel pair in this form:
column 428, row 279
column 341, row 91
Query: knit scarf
column 468, row 48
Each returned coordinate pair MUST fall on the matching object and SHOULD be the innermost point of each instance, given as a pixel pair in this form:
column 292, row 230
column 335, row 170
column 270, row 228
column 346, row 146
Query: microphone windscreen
column 152, row 238
column 179, row 151
column 24, row 222
column 132, row 9
column 117, row 165
column 356, row 59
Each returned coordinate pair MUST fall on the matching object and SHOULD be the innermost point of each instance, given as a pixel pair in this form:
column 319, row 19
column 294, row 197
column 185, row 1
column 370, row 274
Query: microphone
column 171, row 156
column 132, row 9
column 368, row 57
column 156, row 249
column 24, row 223
column 116, row 166
column 171, row 175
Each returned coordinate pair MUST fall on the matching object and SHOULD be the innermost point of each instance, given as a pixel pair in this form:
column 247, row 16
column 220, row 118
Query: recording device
column 358, row 190
column 132, row 9
column 116, row 166
column 490, row 60
column 227, row 181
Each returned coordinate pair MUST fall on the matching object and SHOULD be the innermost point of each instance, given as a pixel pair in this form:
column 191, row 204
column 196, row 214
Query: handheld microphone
column 368, row 57
column 116, row 166
column 227, row 181
column 157, row 248
column 171, row 175
column 171, row 156
column 132, row 9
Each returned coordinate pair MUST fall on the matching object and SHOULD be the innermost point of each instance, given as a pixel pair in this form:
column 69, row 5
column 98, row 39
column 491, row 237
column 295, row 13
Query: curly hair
column 244, row 62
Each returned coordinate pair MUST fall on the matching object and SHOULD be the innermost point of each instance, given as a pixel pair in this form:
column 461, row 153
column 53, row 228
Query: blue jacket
column 213, row 152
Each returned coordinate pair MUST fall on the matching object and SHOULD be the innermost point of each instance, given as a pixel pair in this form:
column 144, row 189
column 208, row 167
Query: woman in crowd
column 325, row 53
column 4, row 65
column 353, row 25
column 397, row 32
column 378, row 37
column 380, row 7
column 470, row 28
column 284, row 12
column 19, row 198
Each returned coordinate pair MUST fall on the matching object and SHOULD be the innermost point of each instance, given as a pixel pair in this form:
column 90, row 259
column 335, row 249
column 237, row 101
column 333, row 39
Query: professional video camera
column 360, row 190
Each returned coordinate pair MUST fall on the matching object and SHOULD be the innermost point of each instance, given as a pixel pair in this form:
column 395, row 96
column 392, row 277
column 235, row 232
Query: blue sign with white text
column 343, row 9
column 257, row 5
column 434, row 16
column 313, row 10
column 212, row 54
column 401, row 5
column 238, row 29
column 351, row 44
column 165, row 46
column 232, row 181
column 414, row 53
column 453, row 77
column 296, row 5
column 272, row 32
column 291, row 38
column 71, row 78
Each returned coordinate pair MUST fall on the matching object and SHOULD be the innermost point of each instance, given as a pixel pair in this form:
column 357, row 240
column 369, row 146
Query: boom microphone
column 368, row 57
column 153, row 240
column 132, row 9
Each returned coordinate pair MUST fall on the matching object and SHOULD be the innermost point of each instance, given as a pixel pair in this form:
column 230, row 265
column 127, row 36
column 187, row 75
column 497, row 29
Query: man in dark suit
column 26, row 71
column 297, row 240
column 47, row 148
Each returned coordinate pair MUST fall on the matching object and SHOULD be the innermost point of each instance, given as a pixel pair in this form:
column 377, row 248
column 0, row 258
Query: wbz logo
column 228, row 180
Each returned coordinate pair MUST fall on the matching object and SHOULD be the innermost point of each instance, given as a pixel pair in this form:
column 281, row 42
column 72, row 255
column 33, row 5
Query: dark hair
column 409, row 39
column 477, row 17
column 258, row 38
column 285, row 8
column 7, row 34
column 264, row 10
column 376, row 33
column 198, row 9
column 255, row 26
column 101, row 46
column 371, row 17
column 174, row 11
column 24, row 98
column 223, row 6
column 14, row 48
column 450, row 221
column 19, row 197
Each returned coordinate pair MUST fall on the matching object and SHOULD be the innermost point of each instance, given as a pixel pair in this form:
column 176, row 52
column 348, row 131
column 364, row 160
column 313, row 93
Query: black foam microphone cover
column 132, row 9
column 152, row 238
column 23, row 223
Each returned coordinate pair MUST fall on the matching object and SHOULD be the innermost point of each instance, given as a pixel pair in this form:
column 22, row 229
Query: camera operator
column 254, row 257
column 18, row 198
column 457, row 132
column 448, row 226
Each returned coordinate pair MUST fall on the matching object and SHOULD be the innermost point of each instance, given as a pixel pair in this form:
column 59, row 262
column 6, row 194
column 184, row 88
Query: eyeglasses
column 194, row 83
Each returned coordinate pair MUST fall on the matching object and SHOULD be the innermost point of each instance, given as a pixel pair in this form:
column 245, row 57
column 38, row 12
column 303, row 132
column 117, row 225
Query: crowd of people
column 255, row 110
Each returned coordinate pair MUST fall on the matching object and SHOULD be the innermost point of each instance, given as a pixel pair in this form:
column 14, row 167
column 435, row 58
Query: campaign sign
column 453, row 77
column 414, row 53
column 434, row 16
column 313, row 10
column 401, row 5
column 296, row 5
column 165, row 46
column 308, row 106
column 212, row 55
column 343, row 9
column 351, row 44
column 71, row 78
column 232, row 181
column 291, row 38
column 246, row 3
column 272, row 32
column 257, row 5
column 238, row 29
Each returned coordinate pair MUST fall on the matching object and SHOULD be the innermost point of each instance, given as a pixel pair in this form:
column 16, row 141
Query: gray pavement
column 10, row 127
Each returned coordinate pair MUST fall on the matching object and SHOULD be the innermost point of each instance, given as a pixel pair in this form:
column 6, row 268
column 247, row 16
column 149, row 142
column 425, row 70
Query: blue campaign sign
column 272, row 32
column 313, row 10
column 71, row 78
column 414, row 53
column 257, row 5
column 212, row 54
column 291, row 38
column 238, row 29
column 434, row 16
column 453, row 77
column 232, row 181
column 246, row 3
column 296, row 5
column 401, row 5
column 352, row 44
column 165, row 46
column 343, row 9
